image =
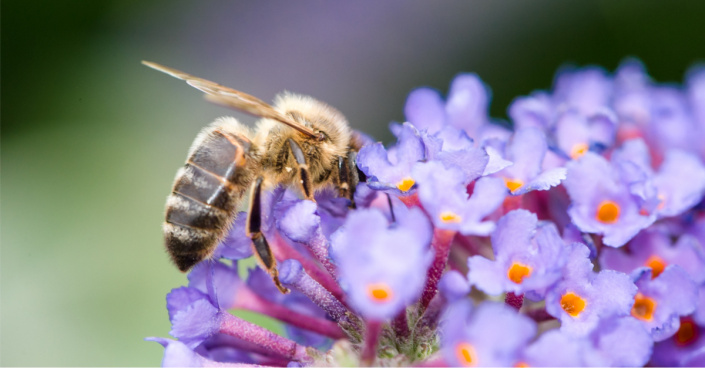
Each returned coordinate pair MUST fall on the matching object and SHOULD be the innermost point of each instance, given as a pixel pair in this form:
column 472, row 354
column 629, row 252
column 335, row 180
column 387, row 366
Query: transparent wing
column 229, row 97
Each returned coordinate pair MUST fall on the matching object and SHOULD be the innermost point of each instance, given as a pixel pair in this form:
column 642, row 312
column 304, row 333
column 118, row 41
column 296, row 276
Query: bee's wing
column 232, row 98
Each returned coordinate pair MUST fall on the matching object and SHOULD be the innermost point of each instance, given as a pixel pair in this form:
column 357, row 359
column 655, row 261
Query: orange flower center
column 448, row 217
column 607, row 212
column 687, row 333
column 572, row 304
column 643, row 308
column 522, row 365
column 405, row 184
column 466, row 354
column 578, row 150
column 518, row 272
column 379, row 292
column 657, row 265
column 513, row 184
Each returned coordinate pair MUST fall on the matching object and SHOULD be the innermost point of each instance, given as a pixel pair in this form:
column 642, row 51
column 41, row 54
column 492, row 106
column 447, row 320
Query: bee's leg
column 261, row 248
column 348, row 177
column 305, row 177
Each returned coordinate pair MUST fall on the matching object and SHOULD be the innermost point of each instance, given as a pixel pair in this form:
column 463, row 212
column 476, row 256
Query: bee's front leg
column 261, row 248
column 304, row 176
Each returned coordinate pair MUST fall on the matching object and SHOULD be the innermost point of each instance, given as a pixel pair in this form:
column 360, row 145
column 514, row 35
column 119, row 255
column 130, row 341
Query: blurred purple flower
column 379, row 281
column 490, row 335
column 661, row 301
column 653, row 248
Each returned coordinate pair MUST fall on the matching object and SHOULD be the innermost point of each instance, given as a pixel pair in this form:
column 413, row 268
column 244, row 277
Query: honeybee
column 300, row 142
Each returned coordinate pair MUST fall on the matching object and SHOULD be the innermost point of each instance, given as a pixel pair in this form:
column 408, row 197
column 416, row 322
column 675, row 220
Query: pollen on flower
column 643, row 308
column 657, row 265
column 687, row 333
column 405, row 184
column 607, row 212
column 522, row 365
column 518, row 272
column 379, row 292
column 513, row 184
column 572, row 304
column 450, row 217
column 578, row 150
column 466, row 354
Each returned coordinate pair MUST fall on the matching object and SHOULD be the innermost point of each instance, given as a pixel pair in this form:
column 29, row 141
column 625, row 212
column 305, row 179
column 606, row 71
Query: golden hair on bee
column 300, row 142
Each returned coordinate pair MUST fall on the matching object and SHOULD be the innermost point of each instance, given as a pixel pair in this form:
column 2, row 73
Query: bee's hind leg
column 304, row 176
column 259, row 243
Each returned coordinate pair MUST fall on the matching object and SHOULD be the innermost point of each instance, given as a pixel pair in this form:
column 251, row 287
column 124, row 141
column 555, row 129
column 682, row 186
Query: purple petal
column 544, row 181
column 196, row 323
column 533, row 111
column 453, row 286
column 425, row 109
column 468, row 101
column 623, row 342
column 486, row 275
column 680, row 181
column 225, row 280
column 236, row 244
column 495, row 162
column 180, row 298
column 300, row 222
column 526, row 150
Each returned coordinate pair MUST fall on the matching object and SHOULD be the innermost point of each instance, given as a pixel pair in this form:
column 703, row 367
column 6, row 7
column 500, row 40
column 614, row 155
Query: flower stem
column 284, row 250
column 441, row 242
column 270, row 341
column 369, row 350
column 247, row 299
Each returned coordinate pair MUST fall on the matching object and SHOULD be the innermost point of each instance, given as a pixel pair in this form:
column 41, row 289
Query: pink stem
column 400, row 325
column 369, row 350
column 247, row 299
column 250, row 332
column 283, row 251
column 441, row 242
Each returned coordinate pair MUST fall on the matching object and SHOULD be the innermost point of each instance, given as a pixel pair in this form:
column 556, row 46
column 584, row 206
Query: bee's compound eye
column 320, row 136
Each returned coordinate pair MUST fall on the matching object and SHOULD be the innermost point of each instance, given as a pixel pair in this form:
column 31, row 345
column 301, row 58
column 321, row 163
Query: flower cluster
column 577, row 238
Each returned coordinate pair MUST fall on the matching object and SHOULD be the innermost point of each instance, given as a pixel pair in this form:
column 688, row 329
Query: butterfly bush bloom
column 575, row 239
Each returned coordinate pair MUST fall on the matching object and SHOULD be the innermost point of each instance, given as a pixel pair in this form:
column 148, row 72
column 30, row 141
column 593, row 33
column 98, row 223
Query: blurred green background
column 91, row 139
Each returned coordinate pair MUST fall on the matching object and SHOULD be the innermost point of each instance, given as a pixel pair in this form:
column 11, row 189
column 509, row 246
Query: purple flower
column 177, row 354
column 653, row 248
column 379, row 281
column 526, row 150
column 391, row 170
column 527, row 257
column 457, row 150
column 676, row 187
column 601, row 203
column 444, row 197
column 583, row 297
column 466, row 108
column 576, row 134
column 661, row 301
column 616, row 342
column 685, row 348
column 236, row 244
column 490, row 335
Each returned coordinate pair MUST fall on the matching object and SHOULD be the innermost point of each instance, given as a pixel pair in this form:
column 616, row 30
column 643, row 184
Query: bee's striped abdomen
column 205, row 196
